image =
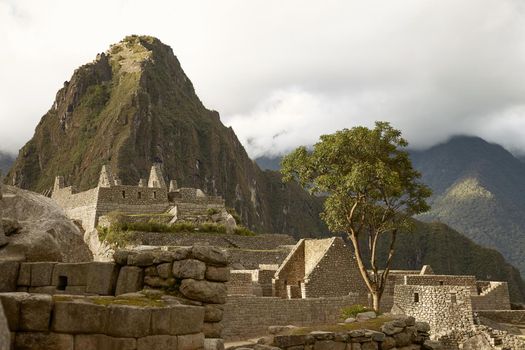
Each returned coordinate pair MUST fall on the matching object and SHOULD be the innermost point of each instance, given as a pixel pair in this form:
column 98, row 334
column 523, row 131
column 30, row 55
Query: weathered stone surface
column 329, row 345
column 121, row 256
column 286, row 341
column 322, row 335
column 388, row 343
column 390, row 329
column 41, row 273
column 101, row 278
column 35, row 312
column 79, row 317
column 185, row 319
column 402, row 339
column 24, row 275
column 11, row 303
column 141, row 259
column 208, row 292
column 350, row 320
column 369, row 346
column 219, row 274
column 212, row 329
column 210, row 255
column 432, row 345
column 10, row 226
column 151, row 271
column 189, row 268
column 5, row 335
column 75, row 273
column 157, row 342
column 366, row 315
column 162, row 257
column 213, row 344
column 128, row 321
column 103, row 342
column 422, row 327
column 43, row 341
column 213, row 313
column 161, row 321
column 190, row 341
column 165, row 270
column 180, row 253
column 378, row 336
column 8, row 275
column 159, row 282
column 130, row 279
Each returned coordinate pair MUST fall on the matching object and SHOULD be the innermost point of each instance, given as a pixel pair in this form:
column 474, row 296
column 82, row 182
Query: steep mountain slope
column 134, row 105
column 6, row 160
column 479, row 189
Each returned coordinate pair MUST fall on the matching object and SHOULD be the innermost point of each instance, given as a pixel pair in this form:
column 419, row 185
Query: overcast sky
column 283, row 72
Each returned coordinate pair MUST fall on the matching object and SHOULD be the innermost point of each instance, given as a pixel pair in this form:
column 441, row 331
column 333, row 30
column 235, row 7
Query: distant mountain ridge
column 479, row 190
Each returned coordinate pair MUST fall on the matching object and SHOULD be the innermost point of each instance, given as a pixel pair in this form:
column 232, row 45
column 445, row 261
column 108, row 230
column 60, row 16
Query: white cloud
column 282, row 73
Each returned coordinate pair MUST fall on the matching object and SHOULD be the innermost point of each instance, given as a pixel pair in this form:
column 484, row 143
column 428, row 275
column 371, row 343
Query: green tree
column 371, row 191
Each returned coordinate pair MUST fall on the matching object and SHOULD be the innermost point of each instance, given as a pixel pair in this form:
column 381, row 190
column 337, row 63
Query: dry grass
column 372, row 324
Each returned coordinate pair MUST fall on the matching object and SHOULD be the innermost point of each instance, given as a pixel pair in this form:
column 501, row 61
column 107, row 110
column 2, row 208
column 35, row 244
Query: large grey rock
column 101, row 278
column 128, row 321
column 35, row 312
column 210, row 255
column 208, row 292
column 363, row 316
column 189, row 268
column 5, row 335
column 190, row 341
column 11, row 303
column 44, row 341
column 130, row 279
column 46, row 234
column 10, row 226
column 219, row 274
column 103, row 342
column 157, row 342
column 79, row 317
column 8, row 275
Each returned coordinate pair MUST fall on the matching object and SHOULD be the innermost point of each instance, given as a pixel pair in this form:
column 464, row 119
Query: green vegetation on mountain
column 478, row 190
column 134, row 105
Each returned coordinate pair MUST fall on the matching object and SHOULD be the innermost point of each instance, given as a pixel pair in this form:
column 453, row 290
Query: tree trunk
column 376, row 300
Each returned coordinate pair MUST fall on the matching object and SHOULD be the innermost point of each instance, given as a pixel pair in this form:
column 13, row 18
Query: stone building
column 110, row 195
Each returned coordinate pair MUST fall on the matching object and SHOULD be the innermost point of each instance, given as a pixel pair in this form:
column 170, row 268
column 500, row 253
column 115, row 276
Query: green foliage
column 212, row 211
column 370, row 185
column 243, row 231
column 352, row 311
column 114, row 236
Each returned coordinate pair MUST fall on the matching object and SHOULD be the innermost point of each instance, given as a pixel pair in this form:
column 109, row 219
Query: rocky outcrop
column 135, row 105
column 36, row 229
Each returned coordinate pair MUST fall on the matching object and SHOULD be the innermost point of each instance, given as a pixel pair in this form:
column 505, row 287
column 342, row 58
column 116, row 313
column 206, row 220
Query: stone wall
column 5, row 336
column 504, row 316
column 188, row 275
column 442, row 280
column 244, row 282
column 291, row 272
column 334, row 274
column 495, row 297
column 78, row 206
column 402, row 333
column 250, row 316
column 443, row 307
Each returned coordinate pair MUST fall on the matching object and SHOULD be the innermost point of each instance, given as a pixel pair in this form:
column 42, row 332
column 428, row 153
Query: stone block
column 141, row 259
column 24, row 275
column 213, row 329
column 329, row 345
column 210, row 255
column 286, row 341
column 8, row 275
column 121, row 256
column 103, row 342
column 35, row 312
column 369, row 346
column 157, row 342
column 41, row 273
column 160, row 257
column 79, row 317
column 219, row 274
column 165, row 270
column 160, row 321
column 388, row 343
column 75, row 290
column 128, row 321
column 190, row 341
column 159, row 282
column 208, row 292
column 213, row 344
column 101, row 278
column 180, row 253
column 130, row 279
column 69, row 274
column 43, row 341
column 151, row 271
column 5, row 334
column 185, row 319
column 11, row 303
column 402, row 339
column 42, row 290
column 189, row 268
column 213, row 313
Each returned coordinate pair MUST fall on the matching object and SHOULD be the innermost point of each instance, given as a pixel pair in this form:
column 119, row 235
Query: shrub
column 243, row 231
column 212, row 211
column 352, row 311
column 114, row 236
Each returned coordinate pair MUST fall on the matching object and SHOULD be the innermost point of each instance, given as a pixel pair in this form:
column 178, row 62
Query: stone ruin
column 153, row 197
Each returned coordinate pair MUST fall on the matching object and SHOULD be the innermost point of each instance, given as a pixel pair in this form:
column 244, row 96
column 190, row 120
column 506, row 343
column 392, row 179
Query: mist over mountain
column 6, row 160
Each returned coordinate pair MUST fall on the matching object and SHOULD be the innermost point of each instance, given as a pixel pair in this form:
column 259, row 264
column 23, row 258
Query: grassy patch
column 352, row 311
column 372, row 324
